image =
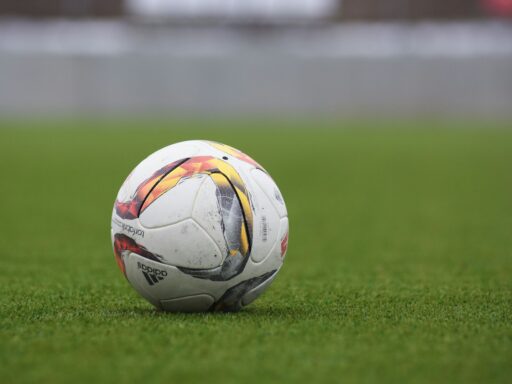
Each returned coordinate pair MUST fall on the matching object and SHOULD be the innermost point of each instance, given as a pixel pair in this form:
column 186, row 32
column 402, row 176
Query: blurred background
column 350, row 58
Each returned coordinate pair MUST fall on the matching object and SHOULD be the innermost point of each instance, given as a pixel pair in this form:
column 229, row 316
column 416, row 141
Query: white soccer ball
column 199, row 226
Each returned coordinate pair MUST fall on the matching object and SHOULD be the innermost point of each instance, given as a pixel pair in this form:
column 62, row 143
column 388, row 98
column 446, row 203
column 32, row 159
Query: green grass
column 399, row 267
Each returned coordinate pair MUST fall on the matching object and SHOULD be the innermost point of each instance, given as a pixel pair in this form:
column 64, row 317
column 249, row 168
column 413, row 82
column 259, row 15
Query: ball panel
column 254, row 293
column 266, row 225
column 154, row 162
column 270, row 188
column 230, row 152
column 206, row 212
column 184, row 244
column 197, row 303
column 136, row 278
column 275, row 257
column 173, row 284
column 232, row 298
column 174, row 205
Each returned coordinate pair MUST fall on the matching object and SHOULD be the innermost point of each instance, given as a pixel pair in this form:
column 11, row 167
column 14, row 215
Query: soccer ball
column 199, row 226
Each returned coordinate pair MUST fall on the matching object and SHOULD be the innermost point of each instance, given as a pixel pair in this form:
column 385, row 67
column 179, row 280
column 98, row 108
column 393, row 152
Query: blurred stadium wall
column 257, row 57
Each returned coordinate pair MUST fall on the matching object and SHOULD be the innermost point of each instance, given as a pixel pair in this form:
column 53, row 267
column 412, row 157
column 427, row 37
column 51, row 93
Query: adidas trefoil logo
column 152, row 275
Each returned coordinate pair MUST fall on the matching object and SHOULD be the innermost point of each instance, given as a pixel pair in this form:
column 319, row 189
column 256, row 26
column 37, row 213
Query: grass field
column 399, row 267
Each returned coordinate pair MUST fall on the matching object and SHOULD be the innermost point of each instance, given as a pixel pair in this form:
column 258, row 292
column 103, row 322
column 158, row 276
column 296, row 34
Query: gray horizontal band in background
column 448, row 69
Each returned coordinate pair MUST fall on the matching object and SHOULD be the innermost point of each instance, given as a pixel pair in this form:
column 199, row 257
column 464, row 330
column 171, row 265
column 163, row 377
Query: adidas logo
column 152, row 275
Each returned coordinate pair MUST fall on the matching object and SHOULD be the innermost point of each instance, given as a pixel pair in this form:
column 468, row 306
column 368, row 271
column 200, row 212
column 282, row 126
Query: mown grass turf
column 399, row 267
